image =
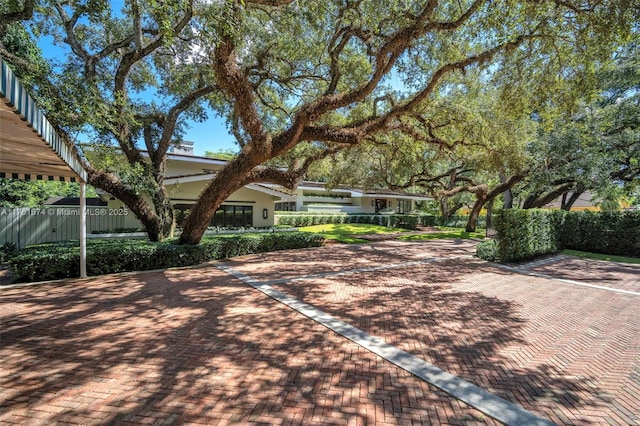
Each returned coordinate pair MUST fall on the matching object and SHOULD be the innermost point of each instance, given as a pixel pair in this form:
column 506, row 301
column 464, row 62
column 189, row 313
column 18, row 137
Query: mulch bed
column 6, row 277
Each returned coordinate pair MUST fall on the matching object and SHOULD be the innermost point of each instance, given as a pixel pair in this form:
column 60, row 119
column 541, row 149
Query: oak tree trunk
column 569, row 200
column 490, row 214
column 136, row 204
column 164, row 211
column 226, row 182
column 508, row 199
column 475, row 212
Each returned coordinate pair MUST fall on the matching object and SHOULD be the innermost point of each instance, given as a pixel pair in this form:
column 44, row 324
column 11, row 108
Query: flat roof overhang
column 30, row 148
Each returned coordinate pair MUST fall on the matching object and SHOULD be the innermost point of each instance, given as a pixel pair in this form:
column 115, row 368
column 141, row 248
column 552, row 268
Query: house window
column 381, row 204
column 235, row 216
column 285, row 206
column 404, row 206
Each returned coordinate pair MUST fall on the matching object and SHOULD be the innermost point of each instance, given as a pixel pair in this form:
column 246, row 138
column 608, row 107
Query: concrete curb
column 491, row 405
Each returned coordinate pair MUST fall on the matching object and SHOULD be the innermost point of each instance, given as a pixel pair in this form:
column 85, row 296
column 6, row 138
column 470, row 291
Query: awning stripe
column 15, row 95
column 29, row 176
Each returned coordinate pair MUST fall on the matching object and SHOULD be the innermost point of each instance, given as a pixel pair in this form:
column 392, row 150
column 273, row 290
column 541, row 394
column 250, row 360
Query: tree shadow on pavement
column 599, row 272
column 196, row 346
column 341, row 257
column 466, row 333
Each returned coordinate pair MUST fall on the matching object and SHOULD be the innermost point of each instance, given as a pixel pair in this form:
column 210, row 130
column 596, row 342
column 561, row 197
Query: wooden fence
column 27, row 226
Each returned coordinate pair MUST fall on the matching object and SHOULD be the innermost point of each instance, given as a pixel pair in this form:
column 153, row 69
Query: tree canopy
column 595, row 149
column 299, row 81
column 18, row 193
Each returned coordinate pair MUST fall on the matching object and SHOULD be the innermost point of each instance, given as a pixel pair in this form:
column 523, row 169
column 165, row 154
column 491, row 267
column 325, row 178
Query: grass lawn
column 599, row 256
column 344, row 232
column 447, row 232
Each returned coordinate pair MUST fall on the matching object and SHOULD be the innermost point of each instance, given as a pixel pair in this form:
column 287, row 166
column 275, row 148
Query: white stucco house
column 586, row 201
column 317, row 197
column 188, row 175
column 254, row 204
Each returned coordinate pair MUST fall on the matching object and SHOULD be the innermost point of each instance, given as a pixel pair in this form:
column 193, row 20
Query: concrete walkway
column 200, row 346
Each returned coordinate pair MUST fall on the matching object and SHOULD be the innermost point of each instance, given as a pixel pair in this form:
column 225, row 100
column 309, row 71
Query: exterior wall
column 176, row 167
column 365, row 205
column 582, row 203
column 367, row 201
column 188, row 193
column 28, row 226
column 299, row 200
column 129, row 220
column 311, row 199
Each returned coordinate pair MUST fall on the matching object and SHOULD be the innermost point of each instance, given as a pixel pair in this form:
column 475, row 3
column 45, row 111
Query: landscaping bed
column 62, row 260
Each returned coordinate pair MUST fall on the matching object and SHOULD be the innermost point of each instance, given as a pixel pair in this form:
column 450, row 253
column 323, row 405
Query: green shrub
column 488, row 250
column 524, row 234
column 404, row 221
column 293, row 240
column 428, row 220
column 298, row 213
column 40, row 263
column 117, row 231
column 300, row 219
column 454, row 221
column 460, row 221
column 62, row 260
column 395, row 221
column 7, row 250
column 616, row 233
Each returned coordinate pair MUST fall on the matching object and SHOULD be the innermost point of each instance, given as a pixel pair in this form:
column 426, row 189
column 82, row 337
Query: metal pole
column 83, row 230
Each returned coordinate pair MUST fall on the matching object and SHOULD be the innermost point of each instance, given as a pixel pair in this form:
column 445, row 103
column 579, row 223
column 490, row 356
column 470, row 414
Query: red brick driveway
column 199, row 346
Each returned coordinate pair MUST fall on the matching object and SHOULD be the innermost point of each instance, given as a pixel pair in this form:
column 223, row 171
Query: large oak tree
column 359, row 69
column 298, row 80
column 596, row 149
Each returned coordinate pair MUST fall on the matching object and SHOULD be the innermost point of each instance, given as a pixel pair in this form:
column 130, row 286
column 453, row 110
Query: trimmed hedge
column 62, row 260
column 299, row 220
column 487, row 250
column 407, row 221
column 524, row 234
column 428, row 220
column 616, row 233
column 460, row 221
column 392, row 221
column 302, row 212
column 7, row 250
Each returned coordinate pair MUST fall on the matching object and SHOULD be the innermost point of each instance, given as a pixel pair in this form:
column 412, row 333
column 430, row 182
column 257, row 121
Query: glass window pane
column 248, row 216
column 228, row 215
column 218, row 218
column 237, row 216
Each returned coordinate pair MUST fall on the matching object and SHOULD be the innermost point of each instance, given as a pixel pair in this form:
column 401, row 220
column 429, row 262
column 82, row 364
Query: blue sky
column 211, row 135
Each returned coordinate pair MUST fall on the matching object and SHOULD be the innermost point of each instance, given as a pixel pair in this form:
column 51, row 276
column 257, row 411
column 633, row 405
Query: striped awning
column 30, row 148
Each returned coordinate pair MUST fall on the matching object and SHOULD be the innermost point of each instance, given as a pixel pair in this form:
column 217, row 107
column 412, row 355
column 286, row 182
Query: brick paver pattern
column 606, row 274
column 198, row 346
column 193, row 347
column 566, row 352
